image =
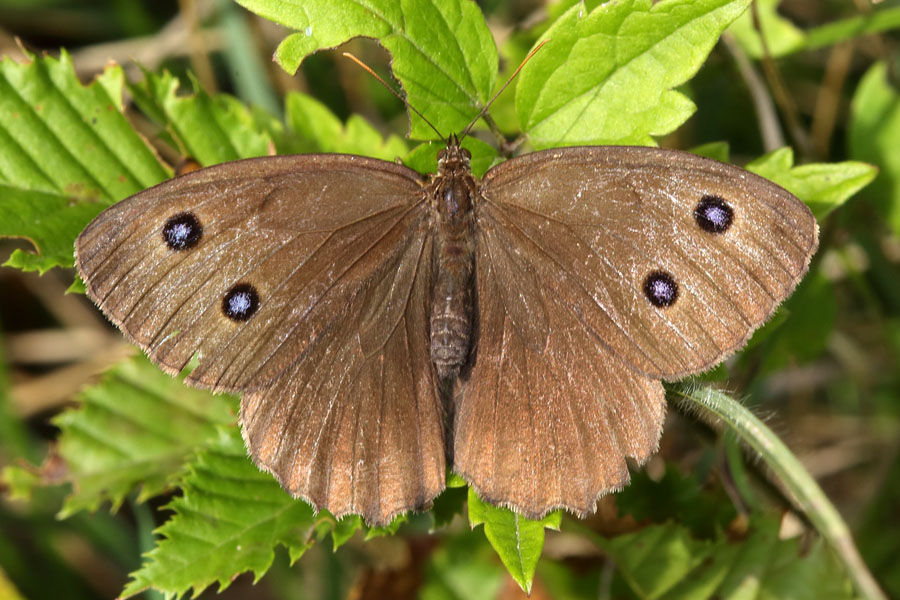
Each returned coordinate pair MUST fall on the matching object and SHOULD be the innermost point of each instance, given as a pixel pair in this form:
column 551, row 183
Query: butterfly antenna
column 501, row 90
column 395, row 92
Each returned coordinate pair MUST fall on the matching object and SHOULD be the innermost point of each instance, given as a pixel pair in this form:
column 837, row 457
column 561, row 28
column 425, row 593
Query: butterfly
column 381, row 325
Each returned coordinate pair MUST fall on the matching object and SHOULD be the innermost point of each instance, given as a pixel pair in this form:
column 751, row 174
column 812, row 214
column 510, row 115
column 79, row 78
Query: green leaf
column 782, row 37
column 822, row 186
column 386, row 530
column 518, row 541
column 135, row 428
column 344, row 529
column 19, row 481
column 66, row 152
column 864, row 23
column 874, row 131
column 210, row 129
column 716, row 150
column 320, row 130
column 607, row 76
column 664, row 561
column 229, row 521
column 442, row 51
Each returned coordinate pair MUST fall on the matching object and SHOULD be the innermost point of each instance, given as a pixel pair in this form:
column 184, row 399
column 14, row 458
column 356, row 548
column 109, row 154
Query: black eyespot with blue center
column 240, row 302
column 713, row 214
column 182, row 231
column 661, row 289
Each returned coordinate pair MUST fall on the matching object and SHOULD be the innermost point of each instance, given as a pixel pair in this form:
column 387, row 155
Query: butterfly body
column 342, row 296
column 453, row 192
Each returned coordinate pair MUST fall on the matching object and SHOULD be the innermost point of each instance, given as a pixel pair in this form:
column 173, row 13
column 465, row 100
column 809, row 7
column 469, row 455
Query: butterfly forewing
column 302, row 281
column 621, row 224
column 298, row 229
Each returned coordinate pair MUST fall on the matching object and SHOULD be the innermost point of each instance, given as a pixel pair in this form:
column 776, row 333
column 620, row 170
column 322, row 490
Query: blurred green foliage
column 702, row 525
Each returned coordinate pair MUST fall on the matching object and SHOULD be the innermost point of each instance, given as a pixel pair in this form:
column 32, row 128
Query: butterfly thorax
column 452, row 193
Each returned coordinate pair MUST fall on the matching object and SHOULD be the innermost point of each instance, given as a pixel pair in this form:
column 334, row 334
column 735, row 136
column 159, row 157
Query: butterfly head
column 454, row 158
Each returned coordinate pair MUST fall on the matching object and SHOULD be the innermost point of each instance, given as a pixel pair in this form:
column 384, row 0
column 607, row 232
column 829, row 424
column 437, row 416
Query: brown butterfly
column 382, row 325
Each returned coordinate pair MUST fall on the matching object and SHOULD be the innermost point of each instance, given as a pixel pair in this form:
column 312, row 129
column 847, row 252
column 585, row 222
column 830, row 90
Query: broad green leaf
column 782, row 37
column 822, row 186
column 210, row 129
column 319, row 130
column 135, row 429
column 607, row 76
column 517, row 540
column 874, row 131
column 229, row 521
column 66, row 152
column 442, row 51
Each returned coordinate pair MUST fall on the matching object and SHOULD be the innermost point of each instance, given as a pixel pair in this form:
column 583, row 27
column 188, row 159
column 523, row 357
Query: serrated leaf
column 66, row 152
column 135, row 429
column 320, row 130
column 822, row 186
column 344, row 529
column 782, row 36
column 607, row 76
column 229, row 521
column 873, row 135
column 664, row 561
column 442, row 52
column 386, row 530
column 210, row 129
column 518, row 541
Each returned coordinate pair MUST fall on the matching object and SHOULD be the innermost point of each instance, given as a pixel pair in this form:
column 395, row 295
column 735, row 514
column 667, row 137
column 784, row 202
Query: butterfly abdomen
column 452, row 310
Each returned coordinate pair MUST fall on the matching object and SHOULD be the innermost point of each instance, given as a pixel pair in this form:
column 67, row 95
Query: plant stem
column 713, row 405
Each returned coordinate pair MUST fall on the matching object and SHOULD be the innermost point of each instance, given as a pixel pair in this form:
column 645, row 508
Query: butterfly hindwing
column 547, row 415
